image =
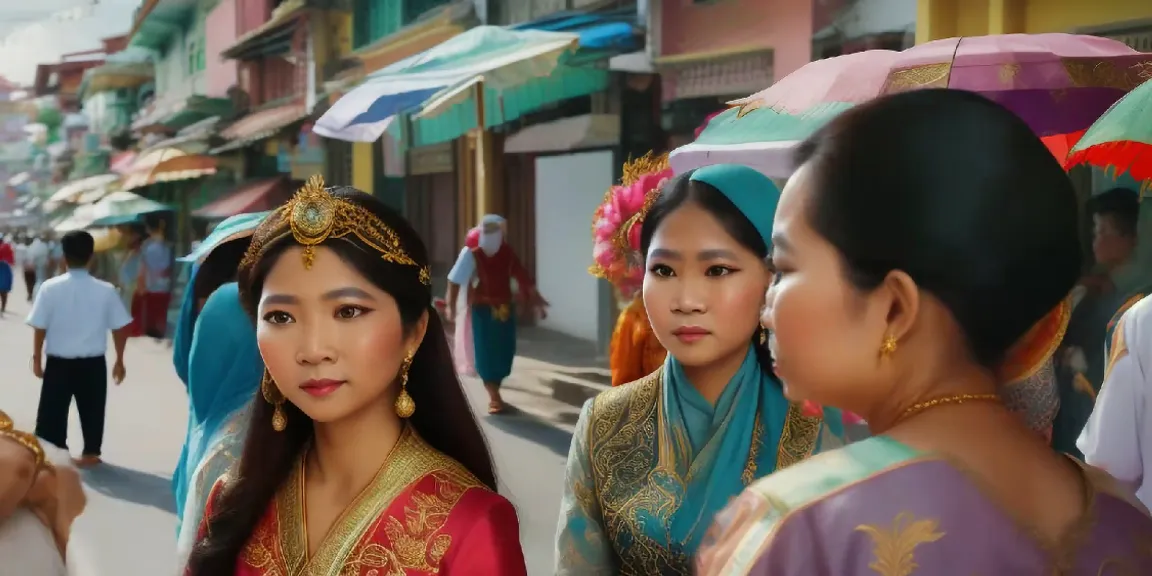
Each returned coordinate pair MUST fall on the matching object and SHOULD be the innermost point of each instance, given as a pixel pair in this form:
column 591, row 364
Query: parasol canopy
column 761, row 130
column 1057, row 83
column 1121, row 139
column 122, row 207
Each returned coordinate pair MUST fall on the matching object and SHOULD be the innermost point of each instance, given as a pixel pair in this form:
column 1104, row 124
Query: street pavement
column 129, row 526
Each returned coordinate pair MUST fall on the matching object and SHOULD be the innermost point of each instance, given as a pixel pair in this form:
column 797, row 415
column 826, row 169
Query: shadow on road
column 529, row 428
column 131, row 486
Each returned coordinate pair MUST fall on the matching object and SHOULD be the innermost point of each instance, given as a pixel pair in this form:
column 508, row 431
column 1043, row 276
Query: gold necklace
column 955, row 399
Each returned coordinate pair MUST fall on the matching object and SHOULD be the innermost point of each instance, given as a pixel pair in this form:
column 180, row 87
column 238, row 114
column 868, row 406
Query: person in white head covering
column 488, row 270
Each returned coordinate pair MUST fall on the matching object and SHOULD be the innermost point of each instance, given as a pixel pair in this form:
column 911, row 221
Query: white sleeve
column 41, row 311
column 1112, row 437
column 465, row 267
column 117, row 316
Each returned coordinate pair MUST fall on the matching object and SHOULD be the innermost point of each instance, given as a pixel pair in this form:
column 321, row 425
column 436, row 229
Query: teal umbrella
column 231, row 228
column 123, row 207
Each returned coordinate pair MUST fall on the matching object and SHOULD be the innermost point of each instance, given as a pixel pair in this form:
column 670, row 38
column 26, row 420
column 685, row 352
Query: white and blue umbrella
column 502, row 56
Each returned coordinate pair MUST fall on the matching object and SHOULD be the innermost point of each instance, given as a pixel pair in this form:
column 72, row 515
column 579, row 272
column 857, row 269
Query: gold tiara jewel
column 314, row 215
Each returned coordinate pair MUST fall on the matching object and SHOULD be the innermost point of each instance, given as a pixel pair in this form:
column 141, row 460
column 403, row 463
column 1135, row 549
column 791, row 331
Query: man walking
column 72, row 315
column 488, row 271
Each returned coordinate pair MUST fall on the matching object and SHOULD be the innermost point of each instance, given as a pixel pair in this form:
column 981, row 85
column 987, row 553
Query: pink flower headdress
column 616, row 222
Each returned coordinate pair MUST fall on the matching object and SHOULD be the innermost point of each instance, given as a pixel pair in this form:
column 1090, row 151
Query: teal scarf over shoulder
column 715, row 444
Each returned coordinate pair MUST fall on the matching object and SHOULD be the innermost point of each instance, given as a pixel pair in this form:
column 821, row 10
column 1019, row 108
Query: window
column 195, row 56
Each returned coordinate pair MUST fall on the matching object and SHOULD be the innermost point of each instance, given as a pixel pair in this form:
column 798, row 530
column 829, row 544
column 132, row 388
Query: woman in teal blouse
column 652, row 461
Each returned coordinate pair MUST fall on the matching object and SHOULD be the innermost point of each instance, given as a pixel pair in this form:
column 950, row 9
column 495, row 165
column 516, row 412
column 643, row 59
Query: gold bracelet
column 29, row 441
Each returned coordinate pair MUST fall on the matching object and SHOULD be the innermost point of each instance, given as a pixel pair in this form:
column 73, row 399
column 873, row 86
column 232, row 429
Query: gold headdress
column 314, row 215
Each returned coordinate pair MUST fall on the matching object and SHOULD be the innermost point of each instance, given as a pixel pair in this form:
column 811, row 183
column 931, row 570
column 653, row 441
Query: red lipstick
column 321, row 387
column 690, row 334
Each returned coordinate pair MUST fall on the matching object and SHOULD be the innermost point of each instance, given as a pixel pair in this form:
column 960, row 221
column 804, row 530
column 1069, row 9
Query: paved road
column 129, row 526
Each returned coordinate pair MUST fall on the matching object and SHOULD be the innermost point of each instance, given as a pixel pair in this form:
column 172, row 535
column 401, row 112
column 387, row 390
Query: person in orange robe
column 634, row 350
column 362, row 456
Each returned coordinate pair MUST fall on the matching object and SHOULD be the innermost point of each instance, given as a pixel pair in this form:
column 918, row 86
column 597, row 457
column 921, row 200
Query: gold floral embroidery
column 1096, row 73
column 260, row 553
column 926, row 76
column 895, row 547
column 1008, row 72
column 754, row 453
column 640, row 474
column 416, row 540
column 348, row 549
column 798, row 438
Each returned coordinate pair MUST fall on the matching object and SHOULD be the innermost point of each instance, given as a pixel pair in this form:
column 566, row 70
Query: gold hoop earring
column 273, row 396
column 888, row 347
column 405, row 405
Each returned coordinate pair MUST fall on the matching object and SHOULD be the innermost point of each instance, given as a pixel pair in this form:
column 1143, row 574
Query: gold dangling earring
column 273, row 396
column 405, row 405
column 888, row 347
column 763, row 335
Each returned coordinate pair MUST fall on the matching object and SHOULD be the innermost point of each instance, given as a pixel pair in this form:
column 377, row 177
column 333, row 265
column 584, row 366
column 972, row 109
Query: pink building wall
column 785, row 26
column 219, row 34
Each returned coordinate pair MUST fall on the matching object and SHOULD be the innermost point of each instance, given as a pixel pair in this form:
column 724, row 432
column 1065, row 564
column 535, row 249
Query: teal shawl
column 215, row 356
column 720, row 439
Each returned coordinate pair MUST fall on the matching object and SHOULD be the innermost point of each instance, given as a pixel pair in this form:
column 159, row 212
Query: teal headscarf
column 720, row 437
column 215, row 355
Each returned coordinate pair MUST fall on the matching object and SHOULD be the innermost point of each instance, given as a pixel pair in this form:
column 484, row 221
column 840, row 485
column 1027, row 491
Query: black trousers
column 29, row 281
column 85, row 379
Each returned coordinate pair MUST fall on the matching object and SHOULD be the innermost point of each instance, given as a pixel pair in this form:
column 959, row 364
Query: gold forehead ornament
column 315, row 215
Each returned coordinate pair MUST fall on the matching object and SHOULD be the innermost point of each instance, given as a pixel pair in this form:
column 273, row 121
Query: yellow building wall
column 936, row 19
column 363, row 175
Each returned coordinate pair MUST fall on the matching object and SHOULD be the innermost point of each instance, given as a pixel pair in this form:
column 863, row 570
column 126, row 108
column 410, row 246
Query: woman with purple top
column 922, row 238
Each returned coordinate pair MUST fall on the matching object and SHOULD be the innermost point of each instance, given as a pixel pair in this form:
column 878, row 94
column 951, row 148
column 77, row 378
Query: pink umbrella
column 761, row 130
column 1058, row 83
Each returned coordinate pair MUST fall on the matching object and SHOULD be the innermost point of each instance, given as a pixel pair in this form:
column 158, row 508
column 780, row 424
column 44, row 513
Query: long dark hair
column 683, row 190
column 220, row 267
column 957, row 192
column 443, row 416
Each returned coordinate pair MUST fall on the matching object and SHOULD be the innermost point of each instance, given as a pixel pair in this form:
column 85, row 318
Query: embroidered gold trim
column 348, row 541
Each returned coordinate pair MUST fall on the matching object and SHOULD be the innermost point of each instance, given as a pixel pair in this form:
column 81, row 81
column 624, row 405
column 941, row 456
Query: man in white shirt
column 72, row 315
column 1118, row 436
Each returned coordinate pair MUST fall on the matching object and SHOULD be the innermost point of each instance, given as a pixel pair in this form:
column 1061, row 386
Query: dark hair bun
column 958, row 192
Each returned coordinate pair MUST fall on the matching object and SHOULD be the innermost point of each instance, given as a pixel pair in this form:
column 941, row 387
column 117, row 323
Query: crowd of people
column 920, row 271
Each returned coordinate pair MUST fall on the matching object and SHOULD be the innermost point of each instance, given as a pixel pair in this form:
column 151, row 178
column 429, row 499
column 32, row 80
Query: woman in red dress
column 362, row 455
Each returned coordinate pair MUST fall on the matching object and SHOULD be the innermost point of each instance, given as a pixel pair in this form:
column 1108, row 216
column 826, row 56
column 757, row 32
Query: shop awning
column 122, row 207
column 167, row 165
column 271, row 36
column 192, row 139
column 253, row 196
column 721, row 73
column 72, row 191
column 573, row 133
column 184, row 167
column 506, row 58
column 260, row 125
column 20, row 179
column 122, row 162
column 598, row 31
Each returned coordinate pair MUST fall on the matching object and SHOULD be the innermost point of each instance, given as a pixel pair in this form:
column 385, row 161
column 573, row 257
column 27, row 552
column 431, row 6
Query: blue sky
column 40, row 34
